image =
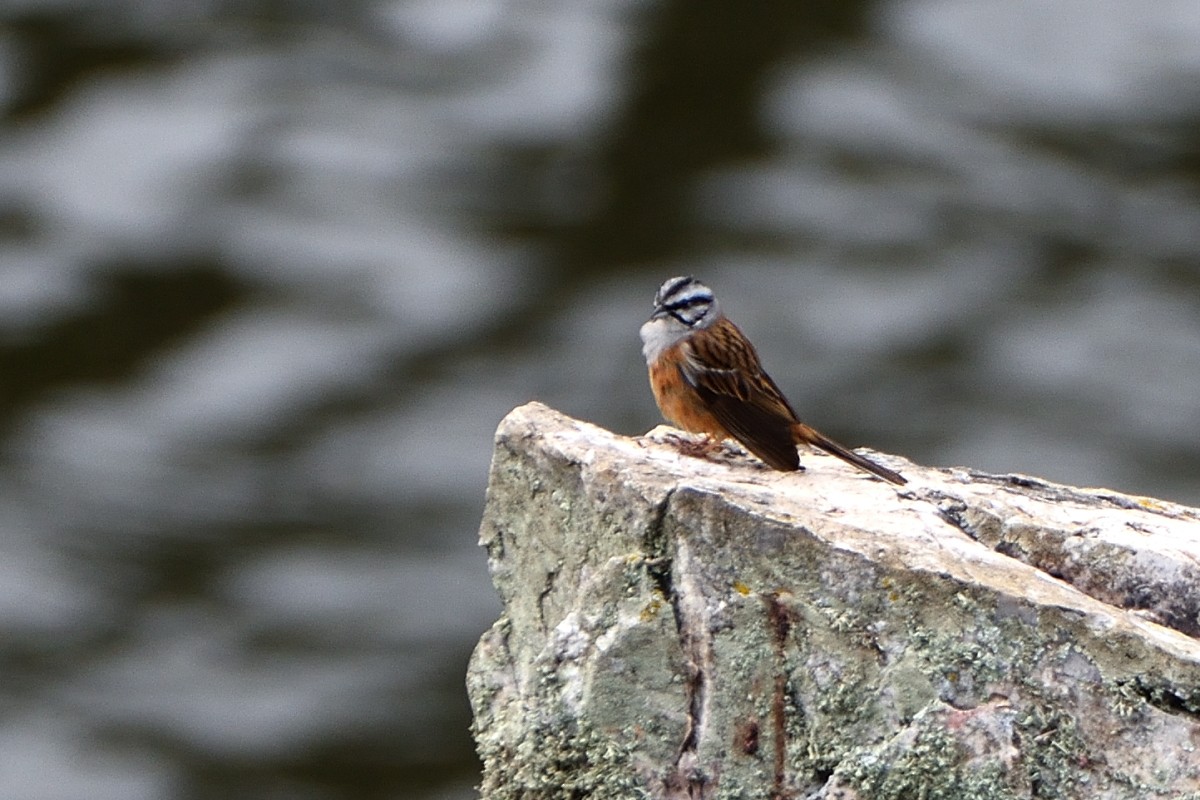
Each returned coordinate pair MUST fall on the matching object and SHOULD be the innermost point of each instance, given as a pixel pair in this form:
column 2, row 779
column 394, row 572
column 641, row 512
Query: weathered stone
column 678, row 627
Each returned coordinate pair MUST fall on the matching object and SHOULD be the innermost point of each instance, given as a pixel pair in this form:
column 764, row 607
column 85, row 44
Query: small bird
column 707, row 378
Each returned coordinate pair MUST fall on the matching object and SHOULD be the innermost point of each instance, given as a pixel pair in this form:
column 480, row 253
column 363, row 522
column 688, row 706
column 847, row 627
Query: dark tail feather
column 817, row 439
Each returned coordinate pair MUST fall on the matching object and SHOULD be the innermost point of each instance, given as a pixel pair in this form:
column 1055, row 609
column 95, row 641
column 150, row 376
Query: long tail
column 807, row 435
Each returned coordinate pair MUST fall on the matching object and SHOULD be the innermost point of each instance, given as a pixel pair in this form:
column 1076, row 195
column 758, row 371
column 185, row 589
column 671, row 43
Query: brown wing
column 724, row 369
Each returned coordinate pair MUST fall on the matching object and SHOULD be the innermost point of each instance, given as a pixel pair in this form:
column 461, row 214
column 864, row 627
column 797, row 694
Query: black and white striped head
column 682, row 305
column 688, row 301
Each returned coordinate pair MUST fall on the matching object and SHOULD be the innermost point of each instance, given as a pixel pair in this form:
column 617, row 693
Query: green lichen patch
column 561, row 761
column 925, row 762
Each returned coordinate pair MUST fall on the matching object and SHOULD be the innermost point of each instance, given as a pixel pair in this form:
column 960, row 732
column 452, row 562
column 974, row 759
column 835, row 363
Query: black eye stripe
column 686, row 300
column 689, row 302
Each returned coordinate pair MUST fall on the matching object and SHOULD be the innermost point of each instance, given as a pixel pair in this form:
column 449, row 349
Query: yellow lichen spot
column 651, row 610
column 741, row 588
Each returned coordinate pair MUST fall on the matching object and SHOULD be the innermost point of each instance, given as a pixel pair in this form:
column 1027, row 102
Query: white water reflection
column 1057, row 63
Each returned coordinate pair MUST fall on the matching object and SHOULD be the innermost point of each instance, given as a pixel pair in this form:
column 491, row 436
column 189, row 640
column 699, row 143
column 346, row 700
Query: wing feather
column 724, row 369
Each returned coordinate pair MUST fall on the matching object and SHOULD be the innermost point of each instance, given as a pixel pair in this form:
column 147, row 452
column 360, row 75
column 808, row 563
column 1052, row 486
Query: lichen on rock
column 679, row 627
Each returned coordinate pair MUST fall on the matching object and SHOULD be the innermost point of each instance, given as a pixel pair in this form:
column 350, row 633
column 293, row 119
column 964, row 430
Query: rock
column 677, row 627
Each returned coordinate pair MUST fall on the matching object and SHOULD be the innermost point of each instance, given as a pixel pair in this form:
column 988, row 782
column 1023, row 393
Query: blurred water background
column 271, row 272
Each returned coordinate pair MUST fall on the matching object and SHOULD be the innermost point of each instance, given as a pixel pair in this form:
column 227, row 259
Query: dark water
column 270, row 273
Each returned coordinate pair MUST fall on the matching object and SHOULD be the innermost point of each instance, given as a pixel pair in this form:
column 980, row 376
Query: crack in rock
column 676, row 578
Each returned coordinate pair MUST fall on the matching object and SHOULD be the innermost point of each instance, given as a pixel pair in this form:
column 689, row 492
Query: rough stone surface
column 675, row 627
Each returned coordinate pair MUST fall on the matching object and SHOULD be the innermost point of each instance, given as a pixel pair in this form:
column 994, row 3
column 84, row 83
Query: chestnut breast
column 678, row 401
